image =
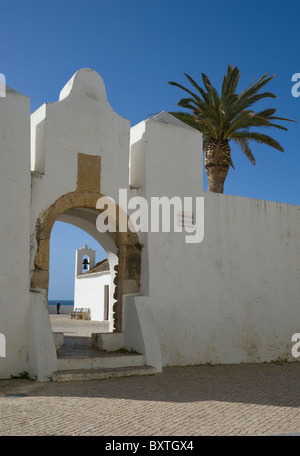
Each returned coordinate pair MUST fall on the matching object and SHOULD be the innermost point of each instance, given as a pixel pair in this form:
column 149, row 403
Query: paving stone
column 181, row 401
column 245, row 399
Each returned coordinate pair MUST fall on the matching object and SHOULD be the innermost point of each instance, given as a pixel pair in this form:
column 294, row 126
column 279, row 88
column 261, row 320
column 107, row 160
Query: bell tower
column 85, row 260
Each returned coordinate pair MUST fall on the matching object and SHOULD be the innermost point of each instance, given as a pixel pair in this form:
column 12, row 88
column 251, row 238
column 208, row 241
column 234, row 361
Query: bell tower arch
column 80, row 261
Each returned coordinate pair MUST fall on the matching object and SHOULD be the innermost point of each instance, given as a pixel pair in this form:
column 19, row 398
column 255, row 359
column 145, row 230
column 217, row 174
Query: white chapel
column 93, row 284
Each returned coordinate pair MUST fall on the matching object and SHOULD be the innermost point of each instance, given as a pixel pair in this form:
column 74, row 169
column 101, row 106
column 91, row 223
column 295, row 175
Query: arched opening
column 79, row 209
column 64, row 241
column 77, row 282
column 85, row 266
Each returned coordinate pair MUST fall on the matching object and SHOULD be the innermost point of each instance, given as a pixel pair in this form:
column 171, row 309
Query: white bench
column 81, row 313
column 86, row 314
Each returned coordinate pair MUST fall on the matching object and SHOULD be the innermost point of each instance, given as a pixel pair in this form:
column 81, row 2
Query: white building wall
column 233, row 297
column 89, row 293
column 14, row 230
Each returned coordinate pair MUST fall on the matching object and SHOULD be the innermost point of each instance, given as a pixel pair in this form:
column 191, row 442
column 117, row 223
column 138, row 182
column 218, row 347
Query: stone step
column 101, row 374
column 103, row 361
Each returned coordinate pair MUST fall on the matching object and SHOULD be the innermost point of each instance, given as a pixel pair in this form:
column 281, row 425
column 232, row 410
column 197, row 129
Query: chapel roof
column 101, row 266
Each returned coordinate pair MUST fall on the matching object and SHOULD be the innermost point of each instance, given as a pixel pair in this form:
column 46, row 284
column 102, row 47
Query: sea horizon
column 63, row 302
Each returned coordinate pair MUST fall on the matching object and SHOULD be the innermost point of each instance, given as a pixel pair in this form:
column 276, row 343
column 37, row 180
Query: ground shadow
column 265, row 384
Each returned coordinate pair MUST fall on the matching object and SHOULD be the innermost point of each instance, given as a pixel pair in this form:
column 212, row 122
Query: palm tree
column 227, row 117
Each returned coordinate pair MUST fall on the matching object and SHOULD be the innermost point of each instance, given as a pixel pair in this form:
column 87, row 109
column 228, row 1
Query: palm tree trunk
column 217, row 159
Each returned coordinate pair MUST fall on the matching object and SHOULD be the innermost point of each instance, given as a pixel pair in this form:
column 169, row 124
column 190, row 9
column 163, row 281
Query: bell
column 85, row 263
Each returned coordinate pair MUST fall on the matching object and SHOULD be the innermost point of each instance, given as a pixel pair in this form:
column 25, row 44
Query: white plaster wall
column 14, row 230
column 140, row 332
column 42, row 358
column 233, row 297
column 237, row 299
column 89, row 293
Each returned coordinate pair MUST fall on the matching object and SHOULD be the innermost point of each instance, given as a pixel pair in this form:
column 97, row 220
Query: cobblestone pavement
column 227, row 400
column 72, row 327
column 77, row 335
column 230, row 400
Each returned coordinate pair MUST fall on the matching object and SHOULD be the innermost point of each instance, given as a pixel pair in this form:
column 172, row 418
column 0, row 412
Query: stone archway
column 128, row 270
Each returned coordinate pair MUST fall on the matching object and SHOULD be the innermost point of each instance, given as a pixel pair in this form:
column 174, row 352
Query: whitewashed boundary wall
column 15, row 184
column 235, row 297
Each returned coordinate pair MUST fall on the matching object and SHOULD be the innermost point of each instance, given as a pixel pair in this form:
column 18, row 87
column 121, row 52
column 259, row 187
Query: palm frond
column 200, row 90
column 230, row 81
column 185, row 89
column 244, row 145
column 260, row 138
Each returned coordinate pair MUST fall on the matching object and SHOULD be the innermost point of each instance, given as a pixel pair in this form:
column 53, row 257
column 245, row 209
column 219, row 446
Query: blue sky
column 139, row 45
